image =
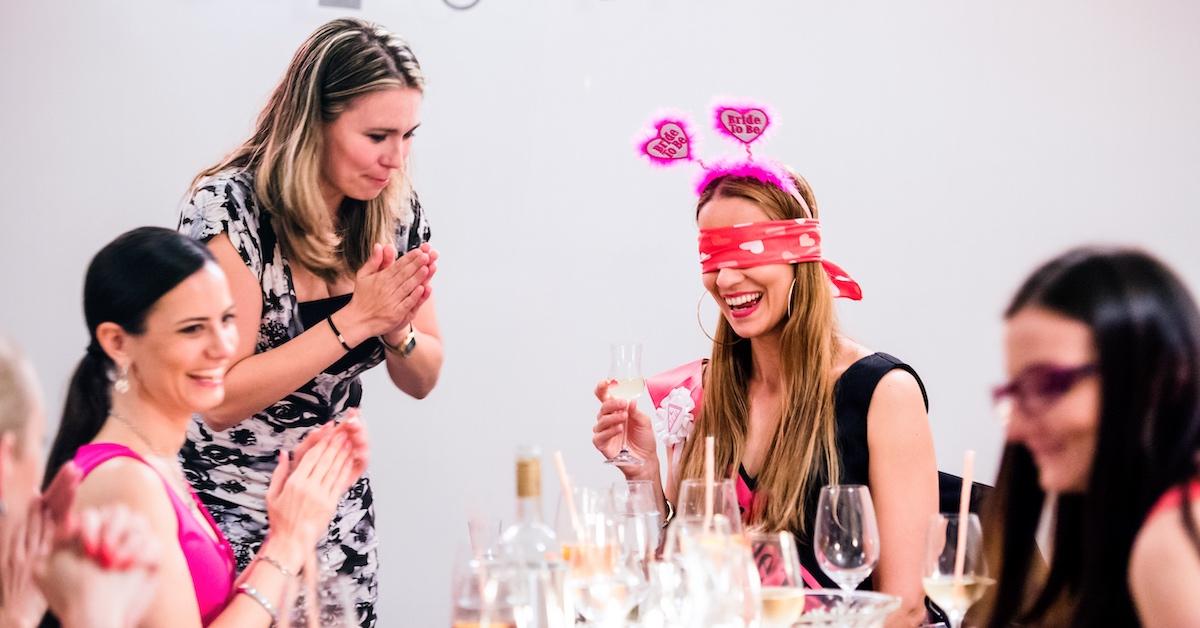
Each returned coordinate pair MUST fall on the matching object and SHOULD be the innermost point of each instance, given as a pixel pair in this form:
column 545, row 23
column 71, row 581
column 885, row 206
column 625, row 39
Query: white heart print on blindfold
column 672, row 143
column 807, row 240
column 746, row 125
column 754, row 246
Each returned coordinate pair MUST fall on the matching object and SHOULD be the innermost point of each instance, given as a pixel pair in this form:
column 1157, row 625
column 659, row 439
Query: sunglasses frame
column 1045, row 382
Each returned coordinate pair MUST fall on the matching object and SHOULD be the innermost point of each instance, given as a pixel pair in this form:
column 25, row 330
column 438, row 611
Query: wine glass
column 721, row 580
column 778, row 564
column 626, row 368
column 601, row 583
column 846, row 537
column 638, row 498
column 955, row 595
column 492, row 594
column 692, row 498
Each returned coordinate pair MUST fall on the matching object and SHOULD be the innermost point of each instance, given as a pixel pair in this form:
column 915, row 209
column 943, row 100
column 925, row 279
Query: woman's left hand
column 398, row 333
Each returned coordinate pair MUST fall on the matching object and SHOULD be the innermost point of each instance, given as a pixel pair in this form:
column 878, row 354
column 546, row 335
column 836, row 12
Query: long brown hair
column 344, row 59
column 803, row 449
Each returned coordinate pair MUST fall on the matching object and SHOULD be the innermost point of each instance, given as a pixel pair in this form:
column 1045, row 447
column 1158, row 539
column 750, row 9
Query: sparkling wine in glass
column 846, row 537
column 778, row 564
column 955, row 595
column 626, row 368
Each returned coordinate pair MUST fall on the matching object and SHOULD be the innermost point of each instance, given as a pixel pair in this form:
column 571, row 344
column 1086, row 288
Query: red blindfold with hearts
column 772, row 242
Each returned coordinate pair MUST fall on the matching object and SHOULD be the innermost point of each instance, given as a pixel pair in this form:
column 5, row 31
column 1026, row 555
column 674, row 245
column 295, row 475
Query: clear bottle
column 531, row 545
column 529, row 541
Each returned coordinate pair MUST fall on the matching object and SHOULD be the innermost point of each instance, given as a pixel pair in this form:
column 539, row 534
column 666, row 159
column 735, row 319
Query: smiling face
column 1059, row 419
column 753, row 300
column 178, row 362
column 366, row 146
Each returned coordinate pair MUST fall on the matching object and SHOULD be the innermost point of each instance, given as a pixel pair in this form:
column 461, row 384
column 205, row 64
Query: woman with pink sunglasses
column 1103, row 426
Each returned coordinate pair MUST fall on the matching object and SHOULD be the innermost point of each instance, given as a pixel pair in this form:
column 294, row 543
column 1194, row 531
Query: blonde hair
column 803, row 448
column 342, row 60
column 18, row 391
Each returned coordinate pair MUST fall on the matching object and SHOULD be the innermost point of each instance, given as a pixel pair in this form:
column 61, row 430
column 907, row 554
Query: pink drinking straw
column 964, row 515
column 568, row 496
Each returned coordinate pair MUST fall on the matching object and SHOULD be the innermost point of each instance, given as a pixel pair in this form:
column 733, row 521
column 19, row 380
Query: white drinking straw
column 964, row 513
column 709, row 444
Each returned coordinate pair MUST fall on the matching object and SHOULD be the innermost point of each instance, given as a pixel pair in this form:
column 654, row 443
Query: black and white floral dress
column 231, row 469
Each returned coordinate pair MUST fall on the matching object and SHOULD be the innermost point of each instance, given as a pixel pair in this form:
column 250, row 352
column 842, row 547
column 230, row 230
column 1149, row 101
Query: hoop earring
column 790, row 290
column 121, row 385
column 704, row 331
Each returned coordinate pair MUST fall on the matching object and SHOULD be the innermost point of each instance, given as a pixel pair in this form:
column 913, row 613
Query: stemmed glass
column 778, row 564
column 953, row 595
column 637, row 498
column 692, row 497
column 488, row 594
column 626, row 368
column 846, row 537
column 604, row 579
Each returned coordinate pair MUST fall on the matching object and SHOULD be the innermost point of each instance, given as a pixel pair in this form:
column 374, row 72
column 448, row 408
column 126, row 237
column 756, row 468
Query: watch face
column 409, row 345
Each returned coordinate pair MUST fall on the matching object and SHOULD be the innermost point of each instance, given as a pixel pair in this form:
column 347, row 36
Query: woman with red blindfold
column 792, row 403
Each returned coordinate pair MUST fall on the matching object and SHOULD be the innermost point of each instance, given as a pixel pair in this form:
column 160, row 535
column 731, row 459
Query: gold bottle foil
column 529, row 477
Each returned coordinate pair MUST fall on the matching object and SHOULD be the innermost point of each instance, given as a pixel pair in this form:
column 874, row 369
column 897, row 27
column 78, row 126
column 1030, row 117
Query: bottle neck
column 529, row 509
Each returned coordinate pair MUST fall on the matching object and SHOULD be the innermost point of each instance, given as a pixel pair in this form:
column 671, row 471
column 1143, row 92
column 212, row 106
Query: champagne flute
column 846, row 537
column 952, row 595
column 778, row 564
column 626, row 368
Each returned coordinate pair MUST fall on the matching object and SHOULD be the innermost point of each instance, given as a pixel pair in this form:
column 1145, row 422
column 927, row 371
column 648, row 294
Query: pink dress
column 209, row 562
column 1173, row 498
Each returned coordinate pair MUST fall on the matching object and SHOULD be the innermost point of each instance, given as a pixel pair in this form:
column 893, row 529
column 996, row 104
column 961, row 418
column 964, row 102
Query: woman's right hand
column 304, row 493
column 611, row 422
column 387, row 291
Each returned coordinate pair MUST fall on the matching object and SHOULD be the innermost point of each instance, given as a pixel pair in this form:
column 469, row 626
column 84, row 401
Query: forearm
column 269, row 581
column 262, row 379
column 417, row 373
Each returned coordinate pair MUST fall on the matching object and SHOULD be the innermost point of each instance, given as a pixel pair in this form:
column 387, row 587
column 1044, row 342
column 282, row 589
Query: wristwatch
column 405, row 348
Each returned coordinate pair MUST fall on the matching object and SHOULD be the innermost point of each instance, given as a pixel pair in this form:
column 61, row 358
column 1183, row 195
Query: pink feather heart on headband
column 672, row 142
column 744, row 125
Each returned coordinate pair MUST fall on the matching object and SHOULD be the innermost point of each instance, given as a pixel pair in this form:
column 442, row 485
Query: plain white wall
column 952, row 147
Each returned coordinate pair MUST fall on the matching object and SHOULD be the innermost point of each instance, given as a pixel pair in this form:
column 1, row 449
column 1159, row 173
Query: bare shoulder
column 1163, row 569
column 1161, row 540
column 898, row 387
column 130, row 483
column 896, row 418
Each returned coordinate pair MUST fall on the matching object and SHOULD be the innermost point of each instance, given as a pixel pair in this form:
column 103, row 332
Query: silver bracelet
column 670, row 513
column 253, row 594
column 276, row 564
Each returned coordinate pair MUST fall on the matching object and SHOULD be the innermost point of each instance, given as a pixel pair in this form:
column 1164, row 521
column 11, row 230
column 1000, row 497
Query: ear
column 115, row 341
